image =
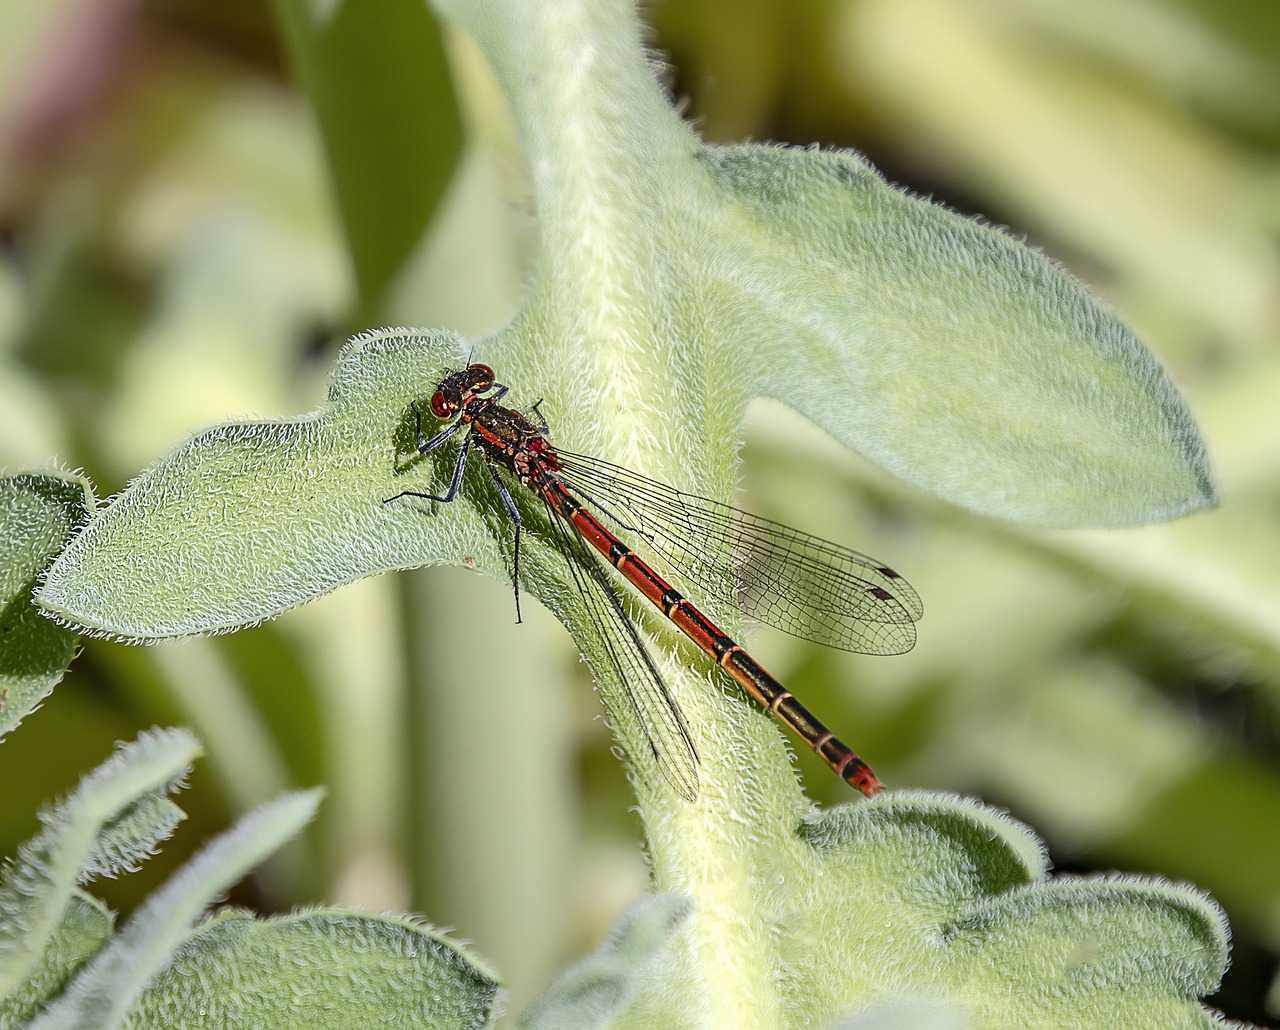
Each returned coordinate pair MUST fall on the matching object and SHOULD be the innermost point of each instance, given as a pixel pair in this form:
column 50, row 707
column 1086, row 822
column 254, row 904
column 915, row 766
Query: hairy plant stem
column 599, row 139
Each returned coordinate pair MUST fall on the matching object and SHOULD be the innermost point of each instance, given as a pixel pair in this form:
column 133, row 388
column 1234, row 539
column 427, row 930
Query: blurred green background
column 199, row 199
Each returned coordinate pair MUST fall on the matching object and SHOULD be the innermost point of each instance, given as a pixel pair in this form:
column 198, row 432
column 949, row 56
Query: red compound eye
column 482, row 370
column 442, row 406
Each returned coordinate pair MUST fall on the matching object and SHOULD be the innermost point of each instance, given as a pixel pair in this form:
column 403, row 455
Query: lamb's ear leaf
column 343, row 969
column 114, row 816
column 953, row 901
column 85, row 926
column 628, row 967
column 942, row 348
column 925, row 907
column 39, row 513
column 248, row 519
column 113, row 980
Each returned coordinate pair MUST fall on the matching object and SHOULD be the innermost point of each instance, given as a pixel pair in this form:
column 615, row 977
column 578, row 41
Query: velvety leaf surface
column 111, row 982
column 115, row 815
column 1123, row 952
column 325, row 968
column 38, row 514
column 248, row 519
column 679, row 280
column 86, row 925
column 946, row 350
column 627, row 969
column 921, row 910
column 964, row 891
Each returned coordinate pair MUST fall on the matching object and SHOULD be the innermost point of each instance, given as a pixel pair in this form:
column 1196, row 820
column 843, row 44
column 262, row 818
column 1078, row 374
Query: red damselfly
column 798, row 583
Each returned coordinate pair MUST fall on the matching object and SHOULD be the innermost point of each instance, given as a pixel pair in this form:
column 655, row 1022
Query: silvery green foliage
column 85, row 926
column 945, row 349
column 38, row 514
column 109, row 984
column 250, row 518
column 61, row 966
column 916, row 910
column 320, row 968
column 625, row 970
column 676, row 282
column 114, row 818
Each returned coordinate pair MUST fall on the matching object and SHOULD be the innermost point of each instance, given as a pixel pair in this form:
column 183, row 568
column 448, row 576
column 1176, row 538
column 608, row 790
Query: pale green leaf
column 104, row 990
column 942, row 348
column 112, row 816
column 677, row 281
column 915, row 907
column 323, row 968
column 1139, row 945
column 921, row 895
column 248, row 519
column 38, row 514
column 918, row 1012
column 626, row 970
column 86, row 924
column 133, row 836
column 918, row 905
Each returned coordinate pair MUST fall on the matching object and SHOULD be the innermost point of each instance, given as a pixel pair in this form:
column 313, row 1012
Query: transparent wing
column 649, row 700
column 796, row 582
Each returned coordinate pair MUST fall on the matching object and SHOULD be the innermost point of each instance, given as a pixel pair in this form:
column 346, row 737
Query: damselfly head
column 457, row 388
column 445, row 401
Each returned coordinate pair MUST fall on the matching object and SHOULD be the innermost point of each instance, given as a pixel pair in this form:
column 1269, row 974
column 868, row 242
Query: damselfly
column 798, row 583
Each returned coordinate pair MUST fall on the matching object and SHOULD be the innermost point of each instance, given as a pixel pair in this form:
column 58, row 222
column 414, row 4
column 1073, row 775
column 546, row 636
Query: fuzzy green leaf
column 914, row 910
column 86, row 924
column 248, row 519
column 38, row 514
column 678, row 280
column 115, row 978
column 324, row 968
column 942, row 348
column 963, row 890
column 132, row 836
column 112, row 816
column 1126, row 951
column 599, row 991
